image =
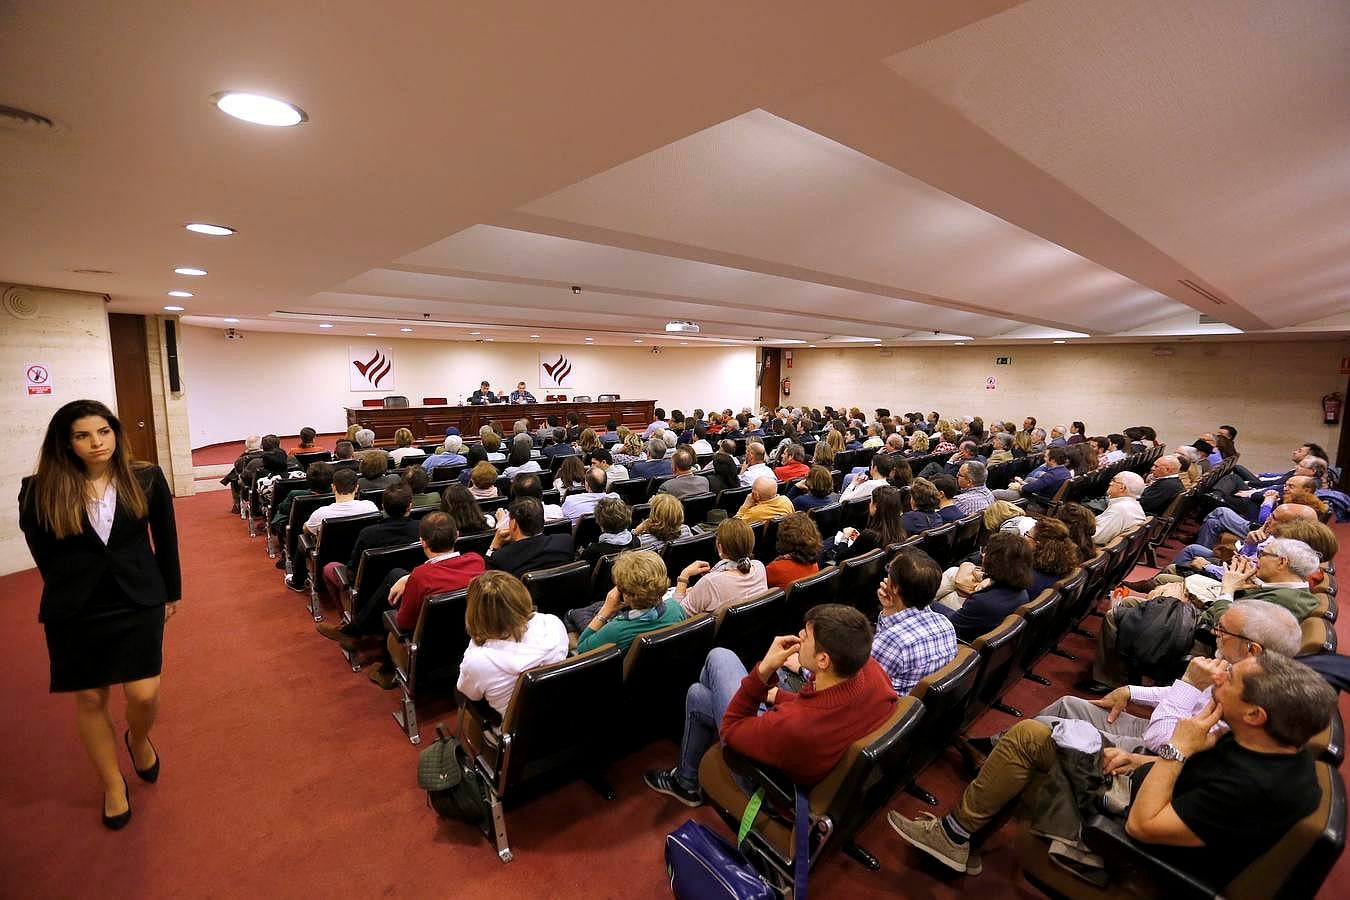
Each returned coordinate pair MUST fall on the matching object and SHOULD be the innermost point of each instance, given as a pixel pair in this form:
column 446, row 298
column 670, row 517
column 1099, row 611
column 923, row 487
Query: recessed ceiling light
column 590, row 339
column 325, row 325
column 534, row 335
column 258, row 109
column 1061, row 341
column 173, row 309
column 684, row 343
column 405, row 330
column 960, row 343
column 370, row 334
column 189, row 270
column 475, row 332
column 207, row 228
column 489, row 340
column 180, row 293
column 232, row 320
column 636, row 341
column 812, row 346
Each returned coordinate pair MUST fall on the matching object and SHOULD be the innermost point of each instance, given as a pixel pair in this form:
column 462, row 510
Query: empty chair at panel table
column 807, row 592
column 560, row 588
column 426, row 660
column 748, row 627
column 658, row 669
column 552, row 726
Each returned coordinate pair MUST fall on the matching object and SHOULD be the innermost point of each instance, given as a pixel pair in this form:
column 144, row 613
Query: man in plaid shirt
column 912, row 642
column 975, row 497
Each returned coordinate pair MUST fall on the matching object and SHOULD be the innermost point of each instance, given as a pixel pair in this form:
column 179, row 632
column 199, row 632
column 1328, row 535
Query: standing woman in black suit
column 89, row 515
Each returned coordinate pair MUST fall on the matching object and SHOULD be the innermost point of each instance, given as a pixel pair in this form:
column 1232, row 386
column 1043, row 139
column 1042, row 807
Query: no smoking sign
column 39, row 380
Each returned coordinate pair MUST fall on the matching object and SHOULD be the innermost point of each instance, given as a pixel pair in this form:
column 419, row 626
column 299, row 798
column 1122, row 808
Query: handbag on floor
column 447, row 774
column 703, row 865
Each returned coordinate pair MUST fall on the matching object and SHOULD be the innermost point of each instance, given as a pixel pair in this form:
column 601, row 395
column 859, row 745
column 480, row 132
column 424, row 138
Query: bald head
column 764, row 489
column 754, row 453
column 1166, row 465
column 1301, row 483
column 1293, row 512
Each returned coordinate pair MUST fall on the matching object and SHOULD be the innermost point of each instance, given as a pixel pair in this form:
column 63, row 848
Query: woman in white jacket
column 506, row 637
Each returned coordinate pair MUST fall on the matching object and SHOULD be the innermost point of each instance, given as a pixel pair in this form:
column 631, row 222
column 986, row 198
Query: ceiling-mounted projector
column 681, row 328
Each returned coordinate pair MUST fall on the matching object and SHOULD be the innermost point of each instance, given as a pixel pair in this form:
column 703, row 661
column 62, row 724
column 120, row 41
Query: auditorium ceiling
column 787, row 173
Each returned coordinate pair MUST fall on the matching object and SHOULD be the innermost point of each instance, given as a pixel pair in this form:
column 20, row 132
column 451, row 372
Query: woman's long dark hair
column 885, row 522
column 59, row 487
column 463, row 510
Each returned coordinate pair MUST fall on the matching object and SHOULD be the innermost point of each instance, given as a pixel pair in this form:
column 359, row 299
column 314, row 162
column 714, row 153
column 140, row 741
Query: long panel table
column 431, row 421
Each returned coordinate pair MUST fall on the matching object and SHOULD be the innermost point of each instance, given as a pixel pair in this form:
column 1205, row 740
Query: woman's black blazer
column 73, row 567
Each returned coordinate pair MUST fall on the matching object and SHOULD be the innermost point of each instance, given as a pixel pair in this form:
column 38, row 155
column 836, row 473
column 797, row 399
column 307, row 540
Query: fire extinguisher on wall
column 1331, row 409
column 786, row 385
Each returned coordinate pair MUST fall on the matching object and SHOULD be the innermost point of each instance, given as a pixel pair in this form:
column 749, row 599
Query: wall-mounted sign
column 39, row 379
column 991, row 383
column 556, row 371
column 370, row 368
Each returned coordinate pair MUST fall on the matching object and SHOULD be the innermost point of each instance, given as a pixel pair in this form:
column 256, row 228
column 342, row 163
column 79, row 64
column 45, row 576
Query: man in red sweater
column 445, row 570
column 803, row 734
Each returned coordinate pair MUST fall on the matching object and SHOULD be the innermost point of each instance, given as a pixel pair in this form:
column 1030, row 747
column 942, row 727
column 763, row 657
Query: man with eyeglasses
column 1247, row 628
column 1123, row 514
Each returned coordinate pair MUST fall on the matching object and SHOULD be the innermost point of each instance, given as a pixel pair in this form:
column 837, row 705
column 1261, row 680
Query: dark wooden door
column 769, row 376
column 131, row 374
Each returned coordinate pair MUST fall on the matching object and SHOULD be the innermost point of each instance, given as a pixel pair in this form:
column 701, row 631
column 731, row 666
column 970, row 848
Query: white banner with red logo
column 370, row 368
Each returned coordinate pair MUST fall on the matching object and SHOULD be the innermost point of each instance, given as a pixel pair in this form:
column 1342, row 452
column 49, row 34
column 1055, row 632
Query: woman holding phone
column 89, row 515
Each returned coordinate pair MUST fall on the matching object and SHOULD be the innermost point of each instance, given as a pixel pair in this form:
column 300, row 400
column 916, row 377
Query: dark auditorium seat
column 560, row 588
column 946, row 695
column 374, row 567
column 829, row 519
column 859, row 579
column 807, row 592
column 334, row 544
column 657, row 671
column 426, row 661
column 1040, row 615
column 697, row 507
column 748, row 627
column 998, row 649
column 700, row 546
column 732, row 499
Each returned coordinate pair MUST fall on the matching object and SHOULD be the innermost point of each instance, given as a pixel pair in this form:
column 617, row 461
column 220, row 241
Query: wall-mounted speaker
column 171, row 351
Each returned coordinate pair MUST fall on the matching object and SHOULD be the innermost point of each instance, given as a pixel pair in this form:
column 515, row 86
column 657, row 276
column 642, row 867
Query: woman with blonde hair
column 351, row 433
column 483, row 481
column 835, row 440
column 635, row 605
column 403, row 448
column 588, row 441
column 506, row 637
column 89, row 514
column 665, row 523
column 918, row 443
column 736, row 576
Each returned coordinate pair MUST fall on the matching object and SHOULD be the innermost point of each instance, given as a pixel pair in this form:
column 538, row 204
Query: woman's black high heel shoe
column 150, row 775
column 119, row 821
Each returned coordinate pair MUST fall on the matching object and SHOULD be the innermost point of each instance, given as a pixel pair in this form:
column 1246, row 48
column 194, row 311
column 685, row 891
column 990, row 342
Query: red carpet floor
column 284, row 774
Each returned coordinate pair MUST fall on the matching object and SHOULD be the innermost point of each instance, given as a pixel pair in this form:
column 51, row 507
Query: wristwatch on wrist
column 1167, row 751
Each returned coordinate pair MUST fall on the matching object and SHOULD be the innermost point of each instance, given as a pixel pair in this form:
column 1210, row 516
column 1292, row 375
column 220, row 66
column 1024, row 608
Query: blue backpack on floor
column 703, row 865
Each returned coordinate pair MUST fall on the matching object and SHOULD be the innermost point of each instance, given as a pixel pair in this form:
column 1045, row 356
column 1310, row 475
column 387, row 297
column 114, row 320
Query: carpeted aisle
column 285, row 775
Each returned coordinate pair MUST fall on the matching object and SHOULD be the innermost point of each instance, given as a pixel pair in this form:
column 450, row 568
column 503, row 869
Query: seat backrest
column 305, row 457
column 338, row 537
column 870, row 771
column 946, row 694
column 301, row 509
column 1298, row 864
column 1130, row 552
column 447, row 473
column 748, row 626
column 998, row 649
column 766, row 541
column 631, row 490
column 474, row 543
column 560, row 588
column 845, row 462
column 697, row 507
column 441, row 640
column 554, row 721
column 280, row 491
column 859, row 579
column 829, row 518
column 1318, row 636
column 658, row 669
column 1067, row 613
column 1001, row 474
column 682, row 551
column 558, row 526
column 807, row 592
column 966, row 540
column 585, row 531
column 602, row 576
column 732, row 498
column 855, row 513
column 1040, row 615
column 1097, row 569
column 395, row 400
column 378, row 562
column 937, row 543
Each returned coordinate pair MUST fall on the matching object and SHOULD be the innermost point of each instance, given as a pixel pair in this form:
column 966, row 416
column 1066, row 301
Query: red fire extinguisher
column 1331, row 409
column 786, row 385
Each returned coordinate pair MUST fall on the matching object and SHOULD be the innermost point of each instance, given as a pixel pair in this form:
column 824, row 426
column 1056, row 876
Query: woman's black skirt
column 110, row 641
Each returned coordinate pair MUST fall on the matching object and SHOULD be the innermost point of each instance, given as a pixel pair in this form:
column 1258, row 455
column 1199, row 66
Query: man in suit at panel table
column 484, row 395
column 522, row 546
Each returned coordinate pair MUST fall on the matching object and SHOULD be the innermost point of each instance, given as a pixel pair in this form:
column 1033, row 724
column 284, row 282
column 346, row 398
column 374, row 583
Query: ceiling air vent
column 1210, row 320
column 19, row 303
column 1204, row 292
column 12, row 119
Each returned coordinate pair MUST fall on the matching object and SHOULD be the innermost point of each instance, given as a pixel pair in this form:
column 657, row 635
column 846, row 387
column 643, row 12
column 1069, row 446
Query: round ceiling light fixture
column 1061, row 341
column 405, row 330
column 325, row 325
column 180, row 293
column 208, row 228
column 173, row 309
column 232, row 320
column 259, row 109
column 189, row 270
column 370, row 334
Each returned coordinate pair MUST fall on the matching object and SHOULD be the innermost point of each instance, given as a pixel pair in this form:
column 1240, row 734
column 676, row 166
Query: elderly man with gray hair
column 448, row 455
column 656, row 465
column 1123, row 514
column 365, row 443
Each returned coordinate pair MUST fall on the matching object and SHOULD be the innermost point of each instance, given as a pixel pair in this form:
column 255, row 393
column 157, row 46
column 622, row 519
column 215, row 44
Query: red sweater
column 436, row 578
column 785, row 570
column 805, row 735
column 792, row 470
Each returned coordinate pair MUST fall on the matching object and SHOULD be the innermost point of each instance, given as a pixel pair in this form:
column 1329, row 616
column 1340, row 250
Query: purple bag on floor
column 703, row 865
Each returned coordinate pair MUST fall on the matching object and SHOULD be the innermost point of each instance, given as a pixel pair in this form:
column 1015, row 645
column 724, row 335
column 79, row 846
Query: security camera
column 426, row 315
column 576, row 289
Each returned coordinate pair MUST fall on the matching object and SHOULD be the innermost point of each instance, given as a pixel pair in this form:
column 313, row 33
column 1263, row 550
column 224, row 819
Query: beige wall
column 68, row 335
column 281, row 382
column 172, row 440
column 1271, row 391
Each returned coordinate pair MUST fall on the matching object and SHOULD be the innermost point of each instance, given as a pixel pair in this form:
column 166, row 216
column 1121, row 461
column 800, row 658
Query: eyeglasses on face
column 1220, row 631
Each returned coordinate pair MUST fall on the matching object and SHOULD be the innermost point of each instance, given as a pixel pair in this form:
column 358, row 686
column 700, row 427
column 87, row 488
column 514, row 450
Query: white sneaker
column 928, row 835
